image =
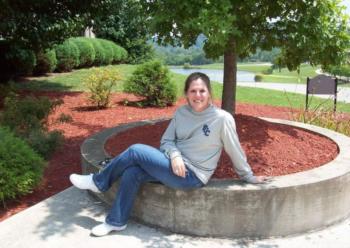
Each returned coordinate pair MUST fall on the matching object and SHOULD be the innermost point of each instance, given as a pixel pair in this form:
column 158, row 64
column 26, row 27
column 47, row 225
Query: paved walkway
column 343, row 92
column 65, row 220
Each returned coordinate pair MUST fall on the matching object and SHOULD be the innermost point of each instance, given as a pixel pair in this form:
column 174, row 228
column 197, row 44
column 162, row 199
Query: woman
column 188, row 155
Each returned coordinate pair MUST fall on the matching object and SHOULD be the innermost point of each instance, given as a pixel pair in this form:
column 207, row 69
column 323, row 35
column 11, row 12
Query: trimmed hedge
column 21, row 169
column 67, row 55
column 46, row 62
column 86, row 51
column 109, row 52
column 100, row 52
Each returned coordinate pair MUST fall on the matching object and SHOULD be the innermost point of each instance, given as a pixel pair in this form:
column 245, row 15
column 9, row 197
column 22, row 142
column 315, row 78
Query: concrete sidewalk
column 65, row 220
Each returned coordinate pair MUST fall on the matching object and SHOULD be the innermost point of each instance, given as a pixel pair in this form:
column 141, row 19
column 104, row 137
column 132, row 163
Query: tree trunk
column 230, row 77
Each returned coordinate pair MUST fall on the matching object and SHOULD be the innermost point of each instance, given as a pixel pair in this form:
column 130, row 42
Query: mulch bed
column 272, row 149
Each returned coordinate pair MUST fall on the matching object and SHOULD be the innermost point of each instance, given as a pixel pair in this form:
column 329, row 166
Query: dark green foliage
column 27, row 118
column 100, row 52
column 21, row 168
column 151, row 80
column 258, row 78
column 341, row 70
column 22, row 61
column 127, row 26
column 46, row 62
column 38, row 25
column 86, row 51
column 67, row 55
column 44, row 143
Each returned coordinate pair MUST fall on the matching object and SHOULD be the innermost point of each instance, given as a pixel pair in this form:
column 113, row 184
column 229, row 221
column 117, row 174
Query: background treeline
column 195, row 55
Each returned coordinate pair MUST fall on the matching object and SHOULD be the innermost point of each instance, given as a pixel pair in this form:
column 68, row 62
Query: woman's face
column 198, row 95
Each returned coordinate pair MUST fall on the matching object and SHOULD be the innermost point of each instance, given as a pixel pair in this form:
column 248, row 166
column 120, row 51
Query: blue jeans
column 136, row 165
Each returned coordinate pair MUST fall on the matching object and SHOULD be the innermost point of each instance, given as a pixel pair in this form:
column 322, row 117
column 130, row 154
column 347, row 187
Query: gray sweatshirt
column 198, row 137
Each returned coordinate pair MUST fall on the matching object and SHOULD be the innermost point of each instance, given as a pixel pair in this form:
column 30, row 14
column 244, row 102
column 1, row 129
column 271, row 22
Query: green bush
column 119, row 54
column 258, row 78
column 21, row 168
column 100, row 84
column 67, row 55
column 109, row 52
column 100, row 52
column 27, row 118
column 44, row 143
column 86, row 51
column 152, row 81
column 46, row 62
column 22, row 60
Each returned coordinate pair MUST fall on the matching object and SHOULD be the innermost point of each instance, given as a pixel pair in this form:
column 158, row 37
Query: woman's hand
column 178, row 166
column 261, row 179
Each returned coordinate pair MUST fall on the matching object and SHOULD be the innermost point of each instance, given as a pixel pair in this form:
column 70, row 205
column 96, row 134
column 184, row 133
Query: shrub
column 151, row 80
column 186, row 66
column 21, row 168
column 44, row 143
column 67, row 55
column 119, row 53
column 100, row 52
column 27, row 118
column 123, row 54
column 21, row 60
column 100, row 84
column 86, row 51
column 258, row 78
column 109, row 52
column 46, row 62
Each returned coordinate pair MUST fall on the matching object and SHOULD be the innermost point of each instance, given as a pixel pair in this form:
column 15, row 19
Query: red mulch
column 271, row 149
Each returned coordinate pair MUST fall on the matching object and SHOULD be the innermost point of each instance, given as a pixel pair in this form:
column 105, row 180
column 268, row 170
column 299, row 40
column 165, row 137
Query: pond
column 217, row 75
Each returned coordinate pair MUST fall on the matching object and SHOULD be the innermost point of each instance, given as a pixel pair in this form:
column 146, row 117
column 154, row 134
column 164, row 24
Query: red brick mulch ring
column 271, row 149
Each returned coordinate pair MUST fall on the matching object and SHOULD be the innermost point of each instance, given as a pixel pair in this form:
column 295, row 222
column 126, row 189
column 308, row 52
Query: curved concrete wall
column 288, row 205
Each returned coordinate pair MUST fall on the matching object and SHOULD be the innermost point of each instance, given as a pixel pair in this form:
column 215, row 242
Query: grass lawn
column 283, row 76
column 74, row 82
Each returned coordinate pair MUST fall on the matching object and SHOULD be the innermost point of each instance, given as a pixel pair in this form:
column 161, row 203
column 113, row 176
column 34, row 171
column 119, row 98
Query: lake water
column 217, row 75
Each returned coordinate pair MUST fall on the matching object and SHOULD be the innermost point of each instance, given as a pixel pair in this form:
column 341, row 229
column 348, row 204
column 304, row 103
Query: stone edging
column 288, row 205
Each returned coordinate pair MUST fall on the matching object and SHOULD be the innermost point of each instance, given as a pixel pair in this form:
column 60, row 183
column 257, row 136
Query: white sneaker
column 104, row 228
column 84, row 182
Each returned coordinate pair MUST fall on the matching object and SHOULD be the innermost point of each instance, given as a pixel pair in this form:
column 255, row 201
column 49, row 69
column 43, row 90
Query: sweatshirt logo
column 206, row 130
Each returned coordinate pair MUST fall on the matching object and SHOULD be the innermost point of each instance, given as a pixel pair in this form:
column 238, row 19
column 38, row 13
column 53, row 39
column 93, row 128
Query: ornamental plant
column 21, row 168
column 151, row 80
column 28, row 118
column 100, row 84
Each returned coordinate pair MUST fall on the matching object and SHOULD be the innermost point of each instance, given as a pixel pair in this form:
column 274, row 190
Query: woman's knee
column 134, row 174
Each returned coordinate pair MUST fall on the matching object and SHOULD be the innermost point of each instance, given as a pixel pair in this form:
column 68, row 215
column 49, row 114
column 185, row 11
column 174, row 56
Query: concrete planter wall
column 288, row 205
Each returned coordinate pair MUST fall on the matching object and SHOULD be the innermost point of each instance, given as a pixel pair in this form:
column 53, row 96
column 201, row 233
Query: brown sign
column 322, row 85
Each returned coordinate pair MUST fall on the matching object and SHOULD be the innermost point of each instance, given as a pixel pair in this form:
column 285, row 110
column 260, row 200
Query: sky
column 347, row 4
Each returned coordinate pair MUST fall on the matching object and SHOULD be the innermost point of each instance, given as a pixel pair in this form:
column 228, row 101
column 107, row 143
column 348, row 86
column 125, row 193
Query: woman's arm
column 233, row 148
column 168, row 146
